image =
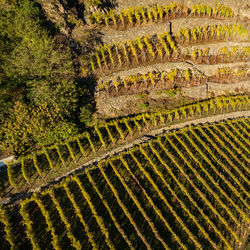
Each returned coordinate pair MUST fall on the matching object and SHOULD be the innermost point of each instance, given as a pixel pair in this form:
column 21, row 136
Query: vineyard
column 111, row 60
column 163, row 80
column 161, row 47
column 152, row 145
column 142, row 15
column 185, row 189
column 104, row 136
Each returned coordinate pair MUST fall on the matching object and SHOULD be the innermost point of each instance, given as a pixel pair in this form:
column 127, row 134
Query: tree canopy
column 37, row 78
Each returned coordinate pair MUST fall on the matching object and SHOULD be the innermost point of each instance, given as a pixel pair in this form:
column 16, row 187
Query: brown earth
column 113, row 36
column 136, row 103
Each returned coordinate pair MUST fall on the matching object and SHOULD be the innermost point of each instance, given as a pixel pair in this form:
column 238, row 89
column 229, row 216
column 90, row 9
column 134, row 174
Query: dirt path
column 144, row 138
column 113, row 36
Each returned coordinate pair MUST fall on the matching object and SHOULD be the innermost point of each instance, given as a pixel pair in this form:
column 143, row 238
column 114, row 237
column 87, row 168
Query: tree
column 63, row 96
column 86, row 113
column 29, row 56
column 40, row 100
column 30, row 127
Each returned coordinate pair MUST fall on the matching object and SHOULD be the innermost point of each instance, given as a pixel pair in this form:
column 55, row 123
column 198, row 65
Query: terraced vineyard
column 138, row 174
column 163, row 47
column 175, row 78
column 143, row 15
column 104, row 136
column 156, row 36
column 185, row 189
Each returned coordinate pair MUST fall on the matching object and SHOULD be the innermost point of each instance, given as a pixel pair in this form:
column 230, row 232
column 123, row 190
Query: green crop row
column 184, row 189
column 161, row 47
column 105, row 136
column 142, row 15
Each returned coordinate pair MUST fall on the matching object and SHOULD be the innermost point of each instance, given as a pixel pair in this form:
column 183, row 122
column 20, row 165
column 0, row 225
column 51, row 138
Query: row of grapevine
column 231, row 134
column 179, row 219
column 195, row 186
column 238, row 134
column 163, row 47
column 227, row 242
column 218, row 11
column 74, row 242
column 210, row 206
column 175, row 78
column 228, row 162
column 112, row 56
column 113, row 217
column 223, row 55
column 235, row 145
column 138, row 205
column 28, row 224
column 185, row 191
column 228, row 151
column 228, row 74
column 5, row 220
column 191, row 142
column 209, row 176
column 211, row 164
column 213, row 32
column 45, row 213
column 142, row 15
column 125, row 210
column 83, row 221
column 149, row 199
column 167, row 193
column 94, row 212
column 192, row 183
column 153, row 80
column 105, row 135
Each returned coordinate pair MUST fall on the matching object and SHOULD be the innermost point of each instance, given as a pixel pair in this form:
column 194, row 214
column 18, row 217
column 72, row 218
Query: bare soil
column 151, row 101
column 216, row 89
column 114, row 36
column 137, row 103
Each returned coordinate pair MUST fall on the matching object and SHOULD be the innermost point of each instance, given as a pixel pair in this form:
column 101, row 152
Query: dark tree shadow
column 109, row 4
column 91, row 39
